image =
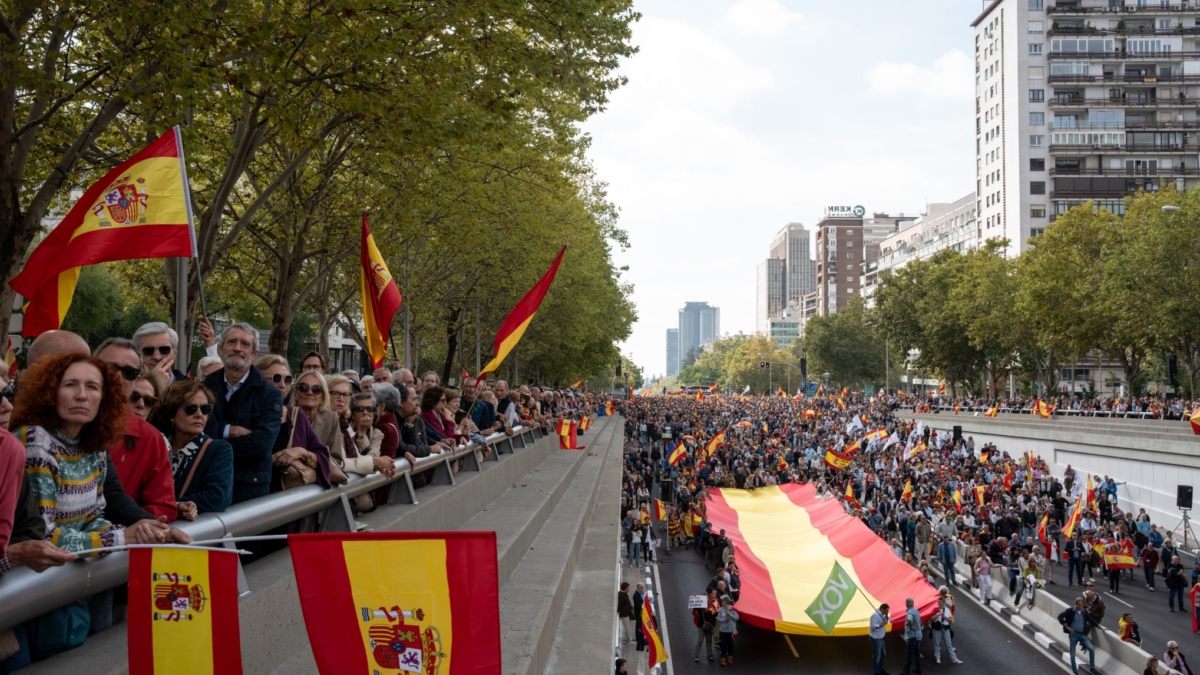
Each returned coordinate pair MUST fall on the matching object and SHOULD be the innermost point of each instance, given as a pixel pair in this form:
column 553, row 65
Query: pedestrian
column 940, row 626
column 635, row 545
column 622, row 667
column 1173, row 658
column 727, row 618
column 639, row 599
column 705, row 620
column 1128, row 630
column 877, row 632
column 1093, row 604
column 912, row 638
column 1074, row 551
column 1176, row 583
column 948, row 555
column 1149, row 561
column 983, row 571
column 1075, row 620
column 624, row 610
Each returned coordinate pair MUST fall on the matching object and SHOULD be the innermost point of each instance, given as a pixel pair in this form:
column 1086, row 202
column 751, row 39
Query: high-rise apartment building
column 699, row 324
column 1081, row 100
column 792, row 246
column 839, row 257
column 945, row 226
column 672, row 352
column 771, row 291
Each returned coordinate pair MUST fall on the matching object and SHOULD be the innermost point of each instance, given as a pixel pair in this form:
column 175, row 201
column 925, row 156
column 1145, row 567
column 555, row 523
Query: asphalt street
column 984, row 642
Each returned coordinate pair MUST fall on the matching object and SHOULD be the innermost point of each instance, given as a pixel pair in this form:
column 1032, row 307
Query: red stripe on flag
column 319, row 563
column 870, row 555
column 139, row 633
column 226, row 633
column 474, row 601
column 755, row 602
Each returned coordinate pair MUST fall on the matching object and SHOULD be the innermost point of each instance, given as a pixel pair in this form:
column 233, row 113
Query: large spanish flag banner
column 787, row 539
column 416, row 602
column 183, row 612
column 514, row 325
column 138, row 210
column 380, row 297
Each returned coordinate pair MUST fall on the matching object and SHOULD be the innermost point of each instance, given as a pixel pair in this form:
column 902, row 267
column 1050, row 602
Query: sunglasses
column 191, row 408
column 305, row 388
column 128, row 372
column 362, row 409
column 277, row 378
column 149, row 351
column 9, row 392
column 136, row 398
column 339, row 394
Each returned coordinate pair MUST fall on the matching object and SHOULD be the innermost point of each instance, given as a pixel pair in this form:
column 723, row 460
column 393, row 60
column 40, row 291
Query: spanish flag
column 907, row 493
column 183, row 612
column 713, row 388
column 514, row 325
column 1042, row 408
column 567, row 440
column 957, row 497
column 992, row 411
column 400, row 602
column 658, row 653
column 1195, row 421
column 942, row 387
column 584, row 423
column 577, row 383
column 979, row 493
column 1068, row 527
column 610, row 408
column 783, row 533
column 140, row 209
column 1041, row 532
column 985, row 455
column 850, row 496
column 716, row 442
column 380, row 297
column 836, row 461
column 677, row 454
column 1008, row 476
column 10, row 357
column 660, row 509
column 1115, row 560
column 699, row 395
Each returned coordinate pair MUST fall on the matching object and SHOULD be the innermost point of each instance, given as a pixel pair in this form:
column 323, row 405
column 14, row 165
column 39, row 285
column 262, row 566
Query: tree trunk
column 452, row 327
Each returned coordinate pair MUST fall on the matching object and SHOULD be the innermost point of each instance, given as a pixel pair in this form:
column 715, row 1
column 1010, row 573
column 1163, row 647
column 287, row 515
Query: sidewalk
column 646, row 574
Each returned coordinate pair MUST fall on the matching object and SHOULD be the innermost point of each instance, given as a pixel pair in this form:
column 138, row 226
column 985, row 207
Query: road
column 985, row 643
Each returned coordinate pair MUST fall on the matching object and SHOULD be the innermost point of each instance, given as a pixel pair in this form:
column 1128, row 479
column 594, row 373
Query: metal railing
column 25, row 594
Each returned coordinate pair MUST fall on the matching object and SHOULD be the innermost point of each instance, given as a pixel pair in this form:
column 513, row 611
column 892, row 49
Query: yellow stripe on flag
column 185, row 646
column 507, row 345
column 159, row 182
column 795, row 554
column 408, row 574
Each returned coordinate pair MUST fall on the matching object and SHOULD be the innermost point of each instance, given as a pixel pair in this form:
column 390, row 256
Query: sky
column 740, row 117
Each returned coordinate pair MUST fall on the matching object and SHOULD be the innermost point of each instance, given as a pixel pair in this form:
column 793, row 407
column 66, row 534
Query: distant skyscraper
column 772, row 291
column 699, row 324
column 672, row 352
column 792, row 246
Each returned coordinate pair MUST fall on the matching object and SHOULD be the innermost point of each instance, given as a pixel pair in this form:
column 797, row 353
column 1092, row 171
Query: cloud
column 762, row 17
column 950, row 76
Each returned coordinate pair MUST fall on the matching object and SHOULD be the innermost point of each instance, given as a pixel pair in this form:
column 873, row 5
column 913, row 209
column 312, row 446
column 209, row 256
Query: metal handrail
column 25, row 594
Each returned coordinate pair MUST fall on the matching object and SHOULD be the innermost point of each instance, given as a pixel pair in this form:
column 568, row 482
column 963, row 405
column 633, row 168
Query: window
column 1035, row 5
column 849, row 256
column 1035, row 49
column 1037, row 164
column 1069, row 68
column 1035, row 231
column 1037, row 211
column 1035, row 28
column 849, row 244
column 1037, row 141
column 1037, row 119
column 1037, row 95
column 1037, row 187
column 1037, row 73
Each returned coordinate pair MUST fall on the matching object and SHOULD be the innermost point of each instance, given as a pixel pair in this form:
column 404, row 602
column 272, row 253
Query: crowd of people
column 928, row 493
column 1151, row 407
column 112, row 446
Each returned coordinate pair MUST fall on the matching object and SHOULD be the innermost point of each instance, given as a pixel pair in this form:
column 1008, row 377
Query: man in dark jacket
column 639, row 598
column 247, row 412
column 1075, row 622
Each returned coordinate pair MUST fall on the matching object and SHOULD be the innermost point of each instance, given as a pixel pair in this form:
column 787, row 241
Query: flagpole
column 187, row 200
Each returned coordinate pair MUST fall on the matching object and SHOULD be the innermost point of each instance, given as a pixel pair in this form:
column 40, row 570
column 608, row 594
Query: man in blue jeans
column 912, row 638
column 879, row 623
column 1075, row 620
column 1074, row 553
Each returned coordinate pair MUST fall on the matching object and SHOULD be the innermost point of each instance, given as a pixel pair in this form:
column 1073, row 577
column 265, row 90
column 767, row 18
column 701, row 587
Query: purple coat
column 306, row 438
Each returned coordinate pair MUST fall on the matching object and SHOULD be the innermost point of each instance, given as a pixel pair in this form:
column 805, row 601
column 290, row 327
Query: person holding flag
column 677, row 454
column 850, row 497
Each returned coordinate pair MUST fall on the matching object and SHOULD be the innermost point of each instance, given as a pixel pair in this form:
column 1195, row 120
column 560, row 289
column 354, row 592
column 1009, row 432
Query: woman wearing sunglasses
column 311, row 395
column 145, row 395
column 203, row 466
column 299, row 456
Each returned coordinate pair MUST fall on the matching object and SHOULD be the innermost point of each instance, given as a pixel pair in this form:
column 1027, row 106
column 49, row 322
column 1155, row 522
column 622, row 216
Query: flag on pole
column 837, row 461
column 850, row 496
column 514, row 325
column 991, row 412
column 832, row 601
column 677, row 454
column 957, row 497
column 567, row 439
column 660, row 510
column 406, row 607
column 1042, row 408
column 1068, row 527
column 980, row 490
column 658, row 653
column 907, row 493
column 713, row 388
column 380, row 296
column 465, row 375
column 140, row 209
column 1008, row 476
column 716, row 442
column 183, row 612
column 577, row 383
column 941, row 387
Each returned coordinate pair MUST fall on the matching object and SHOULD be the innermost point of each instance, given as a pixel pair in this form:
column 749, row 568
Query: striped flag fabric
column 577, row 383
column 380, row 296
column 1195, row 421
column 850, row 496
column 907, row 493
column 1115, row 560
column 10, row 357
column 716, row 442
column 567, row 435
column 658, row 653
column 1073, row 517
column 518, row 319
column 408, row 607
column 836, row 461
column 787, row 532
column 183, row 612
column 677, row 454
column 957, row 497
column 660, row 509
column 979, row 493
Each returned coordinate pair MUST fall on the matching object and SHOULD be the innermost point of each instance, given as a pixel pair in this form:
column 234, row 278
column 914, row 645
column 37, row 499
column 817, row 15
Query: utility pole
column 184, row 353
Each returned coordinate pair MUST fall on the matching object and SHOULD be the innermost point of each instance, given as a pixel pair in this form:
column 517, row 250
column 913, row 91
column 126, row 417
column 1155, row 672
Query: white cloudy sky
column 740, row 117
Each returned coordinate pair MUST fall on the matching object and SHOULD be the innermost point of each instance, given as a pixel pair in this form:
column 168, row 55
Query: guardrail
column 25, row 594
column 1168, row 417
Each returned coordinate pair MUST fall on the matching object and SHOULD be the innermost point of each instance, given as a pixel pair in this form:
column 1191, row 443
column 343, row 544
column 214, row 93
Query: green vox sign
column 833, row 599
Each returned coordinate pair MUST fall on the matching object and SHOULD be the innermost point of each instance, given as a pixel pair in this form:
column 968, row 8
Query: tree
column 984, row 301
column 846, row 346
column 742, row 365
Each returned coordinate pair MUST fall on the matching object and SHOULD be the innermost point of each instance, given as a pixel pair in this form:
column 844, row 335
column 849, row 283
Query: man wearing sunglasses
column 158, row 344
column 143, row 459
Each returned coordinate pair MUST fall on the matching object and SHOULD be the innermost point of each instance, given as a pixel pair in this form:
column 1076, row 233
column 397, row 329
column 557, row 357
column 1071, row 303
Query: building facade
column 771, row 291
column 946, row 226
column 672, row 352
column 1081, row 100
column 792, row 245
column 699, row 324
column 839, row 244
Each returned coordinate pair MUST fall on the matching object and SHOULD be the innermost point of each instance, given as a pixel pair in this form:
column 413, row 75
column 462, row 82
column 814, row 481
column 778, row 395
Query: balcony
column 1124, row 79
column 1126, row 125
column 1124, row 55
column 1076, row 31
column 1124, row 102
column 1176, row 172
column 1123, row 9
column 1120, row 149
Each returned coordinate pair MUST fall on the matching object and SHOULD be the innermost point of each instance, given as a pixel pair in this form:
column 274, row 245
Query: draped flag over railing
column 140, row 209
column 380, row 297
column 388, row 602
column 514, row 325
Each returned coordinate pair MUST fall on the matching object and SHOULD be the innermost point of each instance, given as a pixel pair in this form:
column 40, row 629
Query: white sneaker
column 956, row 662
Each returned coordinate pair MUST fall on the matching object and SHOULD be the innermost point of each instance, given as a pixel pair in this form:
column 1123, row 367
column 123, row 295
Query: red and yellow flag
column 1041, row 532
column 1008, row 476
column 140, row 209
column 514, row 325
column 837, row 461
column 1042, row 408
column 699, row 395
column 660, row 509
column 610, row 408
column 677, row 454
column 979, row 493
column 183, row 612
column 783, row 533
column 850, row 496
column 585, row 422
column 577, row 383
column 1195, row 421
column 957, row 497
column 658, row 653
column 10, row 357
column 1115, row 560
column 567, row 440
column 380, row 297
column 716, row 442
column 1068, row 527
column 406, row 607
column 713, row 388
column 991, row 412
column 907, row 493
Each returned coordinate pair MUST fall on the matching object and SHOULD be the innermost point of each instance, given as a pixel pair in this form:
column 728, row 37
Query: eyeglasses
column 339, row 394
column 149, row 351
column 136, row 398
column 305, row 388
column 9, row 392
column 362, row 409
column 277, row 378
column 191, row 408
column 130, row 373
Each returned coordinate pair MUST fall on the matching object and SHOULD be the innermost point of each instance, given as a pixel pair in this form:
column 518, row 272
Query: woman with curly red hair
column 68, row 410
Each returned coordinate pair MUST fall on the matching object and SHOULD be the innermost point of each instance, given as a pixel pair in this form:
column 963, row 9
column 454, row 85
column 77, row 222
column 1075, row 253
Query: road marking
column 1118, row 599
column 668, row 667
column 789, row 641
column 648, row 584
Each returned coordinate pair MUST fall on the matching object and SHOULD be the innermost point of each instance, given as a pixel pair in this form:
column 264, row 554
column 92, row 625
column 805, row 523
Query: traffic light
column 762, row 364
column 804, row 367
